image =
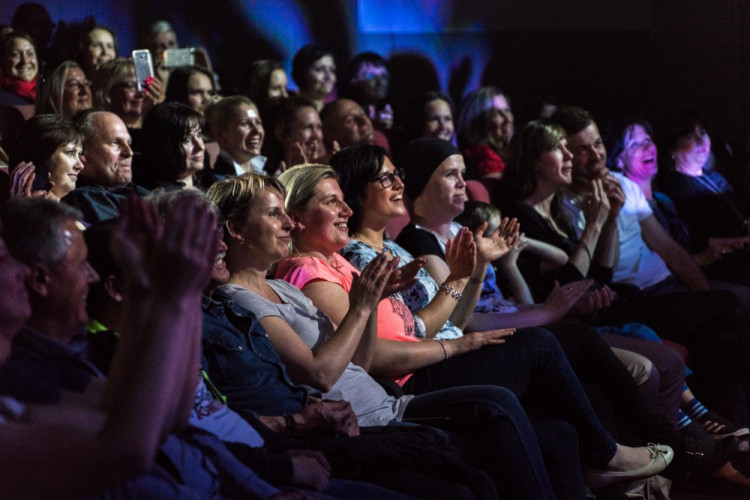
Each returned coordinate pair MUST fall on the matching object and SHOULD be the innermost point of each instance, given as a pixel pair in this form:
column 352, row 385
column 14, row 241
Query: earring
column 241, row 240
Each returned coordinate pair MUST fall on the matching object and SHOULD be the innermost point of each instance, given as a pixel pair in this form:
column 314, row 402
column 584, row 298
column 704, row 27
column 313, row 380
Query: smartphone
column 144, row 68
column 41, row 178
column 174, row 58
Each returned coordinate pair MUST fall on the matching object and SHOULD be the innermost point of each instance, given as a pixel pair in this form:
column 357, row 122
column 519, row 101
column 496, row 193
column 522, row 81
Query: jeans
column 533, row 366
column 493, row 432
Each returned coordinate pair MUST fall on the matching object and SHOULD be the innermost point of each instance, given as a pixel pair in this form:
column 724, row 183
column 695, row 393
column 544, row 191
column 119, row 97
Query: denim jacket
column 242, row 362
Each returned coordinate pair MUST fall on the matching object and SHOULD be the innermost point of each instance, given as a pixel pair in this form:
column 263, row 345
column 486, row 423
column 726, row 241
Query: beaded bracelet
column 445, row 352
column 449, row 290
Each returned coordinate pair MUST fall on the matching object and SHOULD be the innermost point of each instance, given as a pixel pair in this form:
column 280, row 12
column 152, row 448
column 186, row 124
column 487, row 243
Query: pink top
column 395, row 321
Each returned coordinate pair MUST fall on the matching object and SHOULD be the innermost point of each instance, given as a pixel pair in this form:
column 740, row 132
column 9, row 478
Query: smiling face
column 323, row 221
column 277, row 84
column 381, row 203
column 445, row 192
column 438, row 120
column 69, row 280
column 320, row 78
column 692, row 150
column 15, row 308
column 19, row 61
column 348, row 124
column 219, row 271
column 99, row 49
column 500, row 126
column 127, row 102
column 306, row 130
column 267, row 230
column 200, row 88
column 194, row 149
column 555, row 167
column 76, row 93
column 107, row 155
column 243, row 135
column 589, row 154
column 638, row 157
column 64, row 166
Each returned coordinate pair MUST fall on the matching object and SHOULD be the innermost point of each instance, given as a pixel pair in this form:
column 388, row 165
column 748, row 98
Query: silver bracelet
column 452, row 292
column 445, row 351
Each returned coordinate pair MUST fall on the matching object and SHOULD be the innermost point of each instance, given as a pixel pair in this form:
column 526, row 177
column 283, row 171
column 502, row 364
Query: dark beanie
column 420, row 159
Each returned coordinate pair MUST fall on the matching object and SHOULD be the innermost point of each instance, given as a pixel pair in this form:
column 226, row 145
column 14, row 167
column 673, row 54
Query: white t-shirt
column 637, row 264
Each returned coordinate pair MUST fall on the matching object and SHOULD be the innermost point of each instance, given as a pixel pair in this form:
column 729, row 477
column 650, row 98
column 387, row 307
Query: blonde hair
column 235, row 196
column 300, row 182
column 220, row 110
column 109, row 74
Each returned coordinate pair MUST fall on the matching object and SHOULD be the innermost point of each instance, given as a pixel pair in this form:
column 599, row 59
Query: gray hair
column 31, row 228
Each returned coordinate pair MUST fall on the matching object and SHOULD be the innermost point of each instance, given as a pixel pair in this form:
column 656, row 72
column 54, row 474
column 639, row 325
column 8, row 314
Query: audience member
column 19, row 68
column 345, row 124
column 314, row 72
column 65, row 92
column 97, row 46
column 265, row 80
column 366, row 82
column 192, row 86
column 106, row 179
column 173, row 149
column 46, row 157
column 235, row 123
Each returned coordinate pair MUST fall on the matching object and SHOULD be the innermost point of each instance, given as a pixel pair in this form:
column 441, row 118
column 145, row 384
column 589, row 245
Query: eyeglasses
column 387, row 180
column 131, row 86
column 77, row 85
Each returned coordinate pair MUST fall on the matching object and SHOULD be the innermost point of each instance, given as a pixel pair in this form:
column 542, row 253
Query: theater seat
column 476, row 191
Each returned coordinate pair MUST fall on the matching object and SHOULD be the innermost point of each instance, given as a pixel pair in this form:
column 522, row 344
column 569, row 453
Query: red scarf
column 27, row 90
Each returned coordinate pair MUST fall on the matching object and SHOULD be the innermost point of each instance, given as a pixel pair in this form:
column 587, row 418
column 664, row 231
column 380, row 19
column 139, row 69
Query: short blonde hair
column 109, row 74
column 300, row 182
column 235, row 196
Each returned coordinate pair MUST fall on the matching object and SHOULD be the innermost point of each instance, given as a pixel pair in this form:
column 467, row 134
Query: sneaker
column 719, row 427
column 701, row 452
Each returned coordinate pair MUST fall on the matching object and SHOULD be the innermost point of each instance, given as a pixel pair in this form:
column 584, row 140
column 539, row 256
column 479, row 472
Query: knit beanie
column 420, row 159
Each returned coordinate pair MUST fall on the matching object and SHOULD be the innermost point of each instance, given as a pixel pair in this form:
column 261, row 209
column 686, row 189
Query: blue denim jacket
column 242, row 362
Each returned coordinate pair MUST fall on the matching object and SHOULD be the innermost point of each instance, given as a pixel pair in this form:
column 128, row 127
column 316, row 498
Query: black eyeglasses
column 387, row 180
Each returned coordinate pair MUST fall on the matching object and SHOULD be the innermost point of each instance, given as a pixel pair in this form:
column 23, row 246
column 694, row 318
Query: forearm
column 584, row 252
column 534, row 315
column 549, row 253
column 394, row 357
column 440, row 308
column 150, row 371
column 685, row 268
column 518, row 286
column 608, row 246
column 464, row 310
column 366, row 348
column 332, row 357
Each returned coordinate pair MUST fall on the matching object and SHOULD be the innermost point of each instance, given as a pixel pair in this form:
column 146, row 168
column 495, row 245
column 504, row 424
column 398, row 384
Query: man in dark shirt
column 106, row 178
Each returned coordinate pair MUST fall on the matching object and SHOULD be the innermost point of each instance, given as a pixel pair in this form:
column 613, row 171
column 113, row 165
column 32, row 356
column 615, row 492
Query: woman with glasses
column 65, row 92
column 115, row 89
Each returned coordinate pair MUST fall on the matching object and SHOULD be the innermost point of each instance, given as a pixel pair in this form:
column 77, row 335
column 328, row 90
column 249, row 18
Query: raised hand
column 520, row 243
column 498, row 243
column 615, row 194
column 23, row 182
column 461, row 255
column 403, row 277
column 596, row 205
column 368, row 288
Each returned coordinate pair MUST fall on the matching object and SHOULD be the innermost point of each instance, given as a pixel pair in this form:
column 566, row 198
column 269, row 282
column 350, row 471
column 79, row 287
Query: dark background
column 635, row 57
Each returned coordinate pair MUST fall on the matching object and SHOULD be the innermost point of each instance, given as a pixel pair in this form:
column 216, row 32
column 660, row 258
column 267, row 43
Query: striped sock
column 695, row 408
column 682, row 420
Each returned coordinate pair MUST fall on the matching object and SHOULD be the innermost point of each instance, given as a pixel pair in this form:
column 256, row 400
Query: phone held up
column 144, row 68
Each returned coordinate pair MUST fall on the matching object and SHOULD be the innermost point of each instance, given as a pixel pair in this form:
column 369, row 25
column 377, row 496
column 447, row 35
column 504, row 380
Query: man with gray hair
column 47, row 237
column 107, row 175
